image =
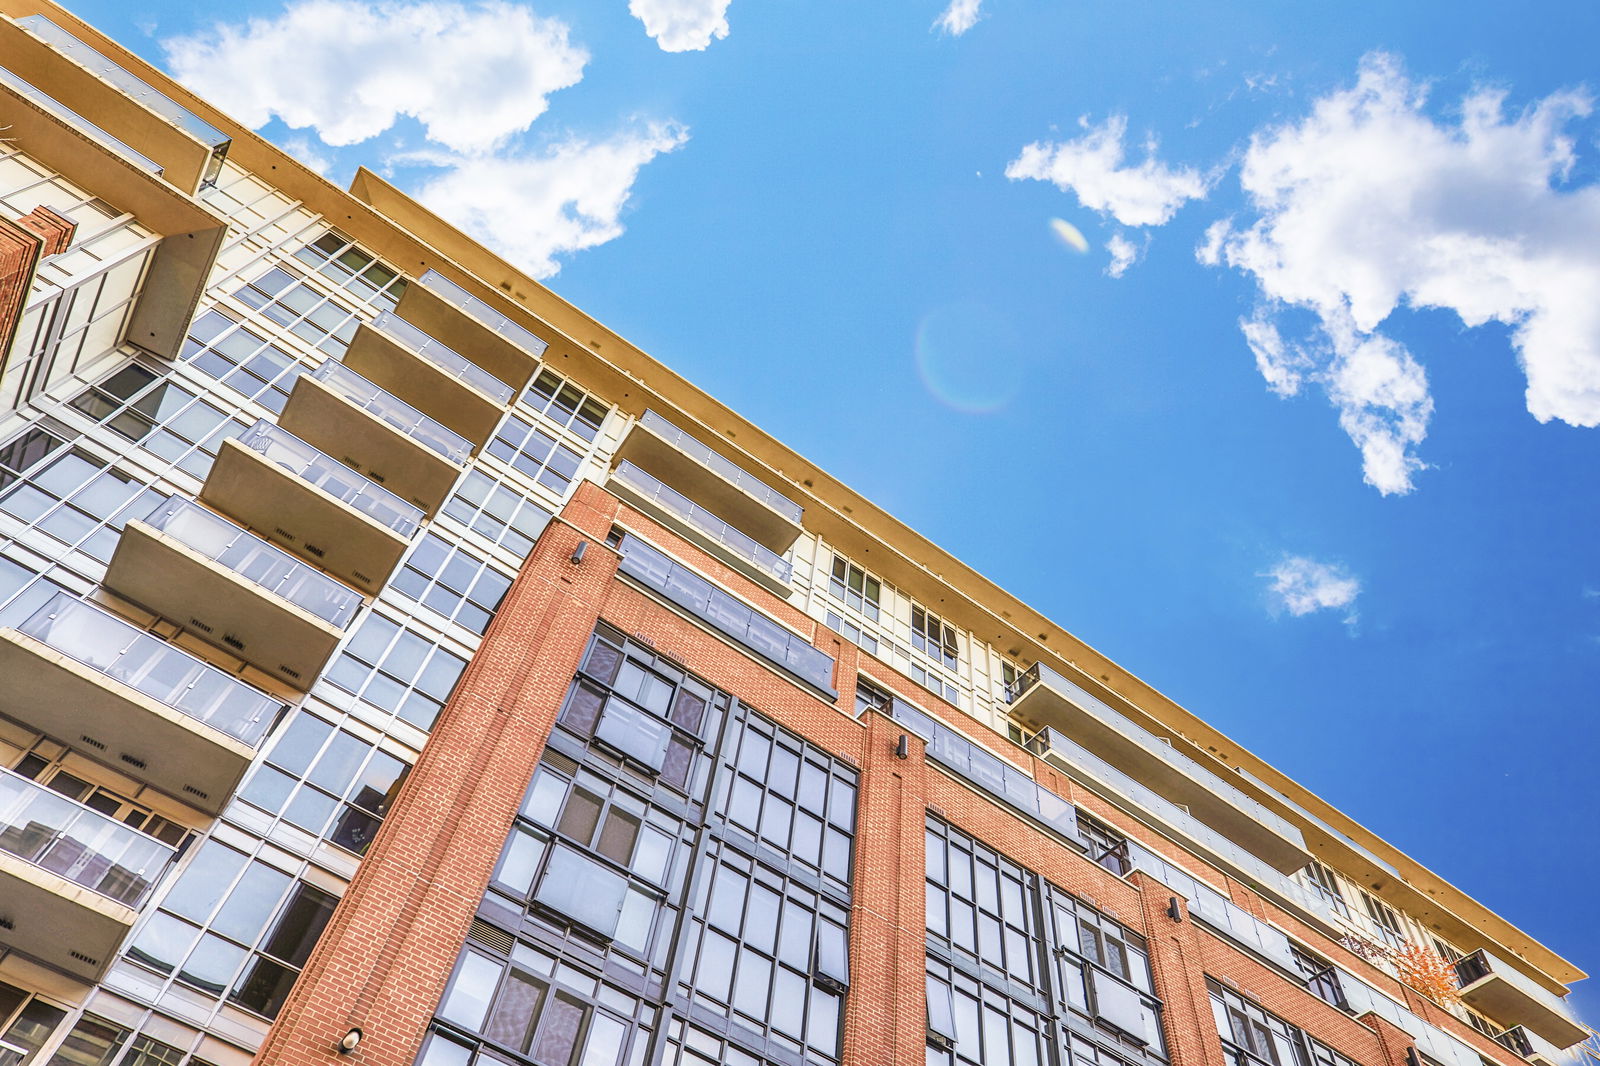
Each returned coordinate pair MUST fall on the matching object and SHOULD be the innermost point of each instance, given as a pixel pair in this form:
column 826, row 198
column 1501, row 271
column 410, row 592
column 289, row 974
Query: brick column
column 883, row 1019
column 387, row 953
column 23, row 243
column 1179, row 976
column 1392, row 1039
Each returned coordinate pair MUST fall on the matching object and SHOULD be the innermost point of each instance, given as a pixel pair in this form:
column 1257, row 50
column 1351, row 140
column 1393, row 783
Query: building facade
column 392, row 656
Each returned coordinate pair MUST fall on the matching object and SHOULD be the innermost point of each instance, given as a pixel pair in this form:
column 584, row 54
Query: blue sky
column 1302, row 438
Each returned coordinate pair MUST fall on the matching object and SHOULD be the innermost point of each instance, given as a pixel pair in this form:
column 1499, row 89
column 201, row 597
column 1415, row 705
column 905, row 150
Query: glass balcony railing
column 333, row 477
column 480, row 312
column 88, row 848
column 670, row 499
column 726, row 613
column 724, row 468
column 456, row 366
column 1480, row 964
column 1051, row 742
column 78, row 122
column 257, row 561
column 394, row 411
column 1152, row 745
column 1007, row 783
column 123, row 80
column 167, row 674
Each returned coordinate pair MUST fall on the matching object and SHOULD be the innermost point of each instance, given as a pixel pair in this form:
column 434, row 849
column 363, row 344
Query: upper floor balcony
column 1500, row 991
column 56, row 134
column 71, row 879
column 190, row 150
column 1041, row 695
column 254, row 599
column 699, row 525
column 312, row 504
column 410, row 364
column 340, row 412
column 490, row 339
column 709, row 479
column 146, row 708
column 1155, row 810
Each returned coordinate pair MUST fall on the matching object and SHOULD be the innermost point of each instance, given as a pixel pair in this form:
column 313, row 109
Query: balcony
column 1523, row 1041
column 345, row 415
column 312, row 504
column 252, row 598
column 71, row 879
column 190, row 149
column 1495, row 988
column 443, row 309
column 145, row 707
column 705, row 477
column 700, row 526
column 60, row 137
column 1041, row 695
column 407, row 363
column 1157, row 811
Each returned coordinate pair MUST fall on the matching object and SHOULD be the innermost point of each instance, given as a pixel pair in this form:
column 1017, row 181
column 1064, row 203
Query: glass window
column 933, row 637
column 327, row 782
column 452, row 581
column 25, row 451
column 1255, row 1037
column 854, row 587
column 1106, row 846
column 359, row 273
column 979, row 904
column 302, row 309
column 242, row 360
column 397, row 670
column 492, row 510
column 535, row 453
column 565, row 404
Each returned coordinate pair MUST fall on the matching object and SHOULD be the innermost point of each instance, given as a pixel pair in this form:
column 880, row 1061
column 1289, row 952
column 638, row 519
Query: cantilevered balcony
column 57, row 135
column 1153, row 809
column 1041, row 695
column 699, row 525
column 147, row 708
column 345, row 415
column 191, row 149
column 312, row 504
column 405, row 362
column 705, row 477
column 71, row 878
column 445, row 310
column 254, row 599
column 1500, row 991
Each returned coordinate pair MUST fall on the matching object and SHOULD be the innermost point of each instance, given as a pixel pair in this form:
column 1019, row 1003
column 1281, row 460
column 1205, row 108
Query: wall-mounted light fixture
column 902, row 747
column 351, row 1041
column 577, row 553
column 1173, row 910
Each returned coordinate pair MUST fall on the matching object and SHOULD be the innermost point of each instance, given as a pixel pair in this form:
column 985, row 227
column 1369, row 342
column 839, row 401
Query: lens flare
column 1068, row 235
column 969, row 358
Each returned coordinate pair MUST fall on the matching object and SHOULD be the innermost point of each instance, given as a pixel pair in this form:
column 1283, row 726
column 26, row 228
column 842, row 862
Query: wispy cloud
column 1302, row 586
column 534, row 207
column 1124, row 253
column 959, row 17
column 475, row 74
column 1368, row 204
column 682, row 25
column 1095, row 168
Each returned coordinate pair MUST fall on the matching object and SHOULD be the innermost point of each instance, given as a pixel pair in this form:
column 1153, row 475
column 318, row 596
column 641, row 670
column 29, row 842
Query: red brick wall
column 23, row 243
column 389, row 950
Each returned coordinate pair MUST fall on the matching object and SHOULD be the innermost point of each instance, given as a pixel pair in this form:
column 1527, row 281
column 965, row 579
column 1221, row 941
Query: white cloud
column 1124, row 253
column 1093, row 167
column 474, row 74
column 532, row 208
column 1301, row 586
column 310, row 154
column 1369, row 204
column 682, row 25
column 959, row 17
column 1284, row 365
